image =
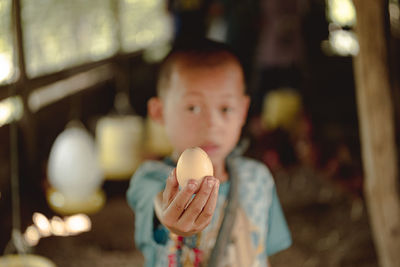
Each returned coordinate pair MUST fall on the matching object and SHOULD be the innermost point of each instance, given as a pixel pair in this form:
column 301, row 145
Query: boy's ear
column 155, row 109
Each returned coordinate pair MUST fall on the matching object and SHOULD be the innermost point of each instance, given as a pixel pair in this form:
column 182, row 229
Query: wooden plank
column 376, row 119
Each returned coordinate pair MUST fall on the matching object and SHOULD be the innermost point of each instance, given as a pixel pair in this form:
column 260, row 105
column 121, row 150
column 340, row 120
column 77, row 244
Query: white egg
column 193, row 163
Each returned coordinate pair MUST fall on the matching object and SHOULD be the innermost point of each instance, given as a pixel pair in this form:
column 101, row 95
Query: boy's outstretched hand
column 181, row 214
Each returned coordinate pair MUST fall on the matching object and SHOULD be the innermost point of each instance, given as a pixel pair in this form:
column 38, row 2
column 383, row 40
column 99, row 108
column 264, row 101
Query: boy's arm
column 147, row 181
column 158, row 205
column 279, row 237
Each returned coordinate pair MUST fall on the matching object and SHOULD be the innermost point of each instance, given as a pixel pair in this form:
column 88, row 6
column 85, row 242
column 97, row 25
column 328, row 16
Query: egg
column 193, row 163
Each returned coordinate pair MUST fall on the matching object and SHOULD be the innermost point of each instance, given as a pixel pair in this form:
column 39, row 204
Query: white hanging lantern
column 73, row 167
column 66, row 206
column 281, row 108
column 120, row 142
column 26, row 260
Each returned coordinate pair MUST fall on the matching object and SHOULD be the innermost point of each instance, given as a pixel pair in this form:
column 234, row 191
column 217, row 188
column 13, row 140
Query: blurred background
column 75, row 77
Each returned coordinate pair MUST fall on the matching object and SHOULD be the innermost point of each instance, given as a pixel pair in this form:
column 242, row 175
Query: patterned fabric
column 260, row 227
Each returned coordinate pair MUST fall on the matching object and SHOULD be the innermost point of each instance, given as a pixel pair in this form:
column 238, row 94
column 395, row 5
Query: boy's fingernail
column 192, row 185
column 210, row 182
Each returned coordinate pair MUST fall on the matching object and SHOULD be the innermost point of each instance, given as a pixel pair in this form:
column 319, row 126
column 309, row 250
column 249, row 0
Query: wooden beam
column 18, row 39
column 377, row 131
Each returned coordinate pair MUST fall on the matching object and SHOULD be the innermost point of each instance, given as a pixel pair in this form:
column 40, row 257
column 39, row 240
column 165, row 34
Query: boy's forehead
column 226, row 79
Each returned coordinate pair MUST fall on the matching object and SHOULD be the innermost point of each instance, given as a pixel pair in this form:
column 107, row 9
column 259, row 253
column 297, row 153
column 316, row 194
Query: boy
column 201, row 102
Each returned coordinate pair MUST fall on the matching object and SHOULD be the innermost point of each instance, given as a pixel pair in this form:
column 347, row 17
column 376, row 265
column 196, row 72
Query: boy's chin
column 217, row 159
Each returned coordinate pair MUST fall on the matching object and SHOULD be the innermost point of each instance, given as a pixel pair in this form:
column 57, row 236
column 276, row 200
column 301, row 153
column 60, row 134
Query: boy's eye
column 226, row 109
column 194, row 109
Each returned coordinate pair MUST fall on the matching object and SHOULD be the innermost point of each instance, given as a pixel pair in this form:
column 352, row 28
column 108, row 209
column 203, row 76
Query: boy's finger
column 196, row 206
column 171, row 189
column 181, row 200
column 208, row 211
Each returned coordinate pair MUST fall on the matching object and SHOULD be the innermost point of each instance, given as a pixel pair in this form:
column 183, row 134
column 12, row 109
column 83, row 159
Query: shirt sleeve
column 278, row 237
column 144, row 186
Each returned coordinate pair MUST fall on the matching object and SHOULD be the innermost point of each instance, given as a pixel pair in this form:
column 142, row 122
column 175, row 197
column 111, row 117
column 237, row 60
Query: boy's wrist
column 160, row 232
column 157, row 205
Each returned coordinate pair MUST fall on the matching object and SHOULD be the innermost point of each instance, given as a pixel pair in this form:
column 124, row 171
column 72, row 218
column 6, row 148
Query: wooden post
column 375, row 113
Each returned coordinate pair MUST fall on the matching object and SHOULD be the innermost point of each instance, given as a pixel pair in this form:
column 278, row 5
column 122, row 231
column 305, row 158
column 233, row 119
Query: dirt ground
column 329, row 229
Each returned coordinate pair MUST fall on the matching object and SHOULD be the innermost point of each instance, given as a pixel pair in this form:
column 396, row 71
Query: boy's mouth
column 210, row 148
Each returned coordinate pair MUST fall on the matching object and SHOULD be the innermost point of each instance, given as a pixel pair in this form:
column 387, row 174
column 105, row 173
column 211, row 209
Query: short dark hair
column 200, row 53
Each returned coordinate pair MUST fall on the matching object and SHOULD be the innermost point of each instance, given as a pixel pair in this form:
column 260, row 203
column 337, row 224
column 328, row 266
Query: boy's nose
column 211, row 119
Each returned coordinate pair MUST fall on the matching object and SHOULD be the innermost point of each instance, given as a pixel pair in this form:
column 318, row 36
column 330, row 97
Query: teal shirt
column 257, row 197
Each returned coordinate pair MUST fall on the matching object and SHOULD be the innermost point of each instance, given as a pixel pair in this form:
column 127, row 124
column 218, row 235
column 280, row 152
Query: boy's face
column 205, row 107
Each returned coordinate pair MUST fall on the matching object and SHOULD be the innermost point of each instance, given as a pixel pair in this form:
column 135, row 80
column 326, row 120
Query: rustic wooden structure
column 376, row 118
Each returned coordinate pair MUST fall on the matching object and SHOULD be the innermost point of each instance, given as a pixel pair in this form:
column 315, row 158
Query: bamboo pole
column 377, row 131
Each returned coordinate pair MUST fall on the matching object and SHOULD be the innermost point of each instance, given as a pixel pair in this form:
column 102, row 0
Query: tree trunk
column 376, row 118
